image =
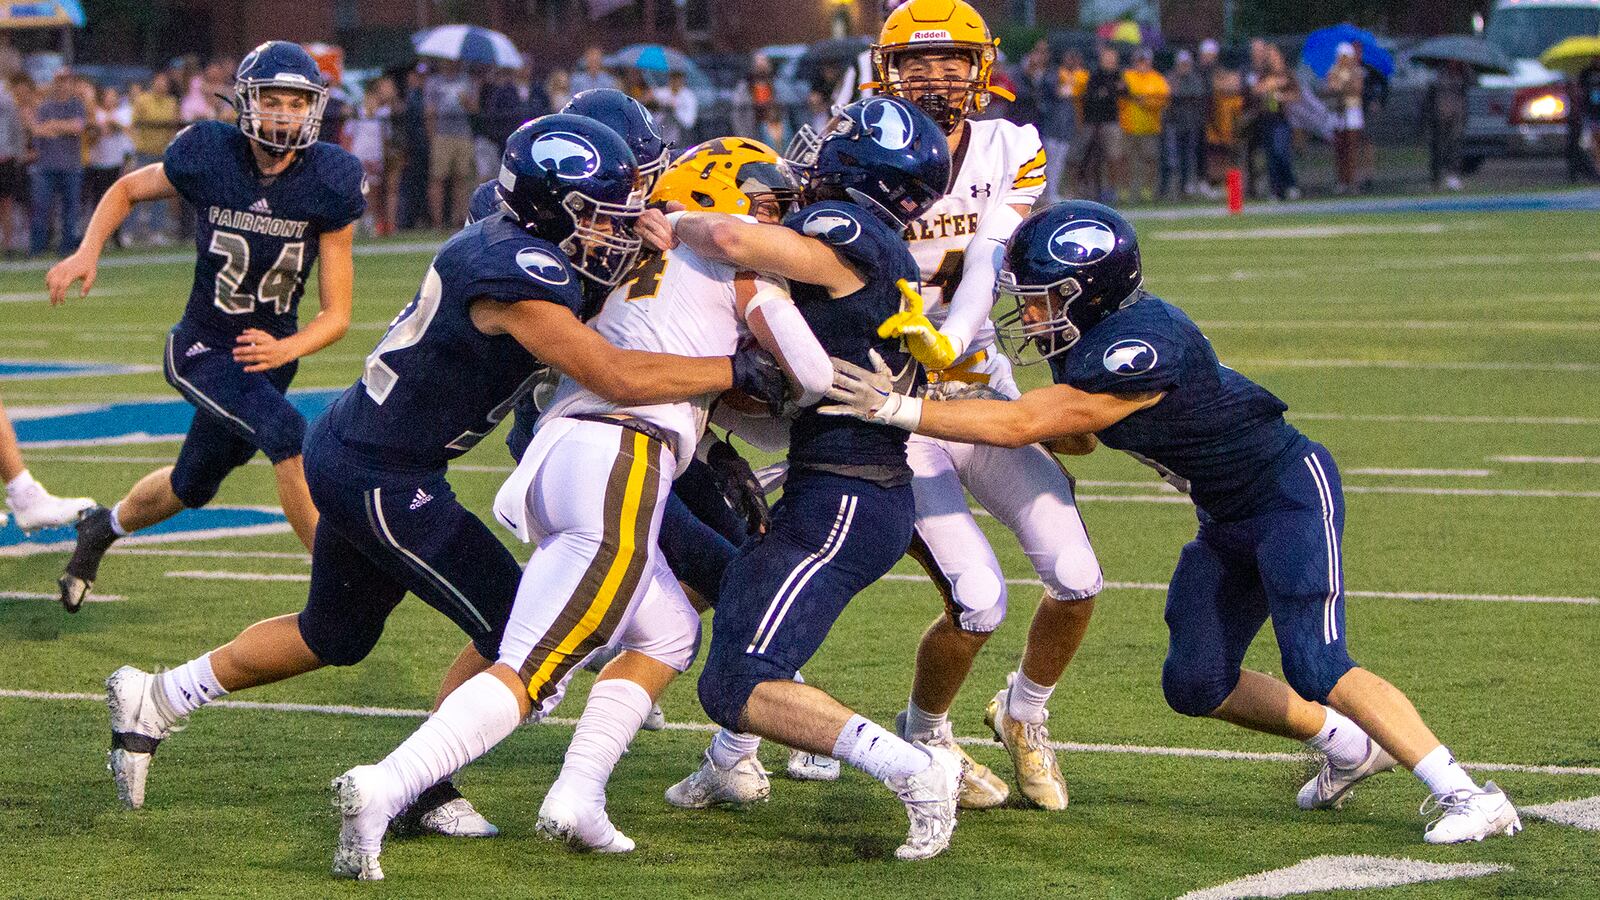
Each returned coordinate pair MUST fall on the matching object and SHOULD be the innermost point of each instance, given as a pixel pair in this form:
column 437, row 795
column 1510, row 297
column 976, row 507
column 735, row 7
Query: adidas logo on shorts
column 195, row 349
column 420, row 499
column 261, row 207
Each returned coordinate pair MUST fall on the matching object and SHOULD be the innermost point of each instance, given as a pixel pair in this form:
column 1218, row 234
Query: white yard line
column 1400, row 324
column 1416, row 364
column 707, row 727
column 1425, row 473
column 1549, row 460
column 1343, row 873
column 35, row 595
column 1439, row 419
column 1305, row 231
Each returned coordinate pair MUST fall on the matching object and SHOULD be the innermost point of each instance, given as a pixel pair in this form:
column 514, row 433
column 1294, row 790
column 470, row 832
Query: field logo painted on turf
column 189, row 525
column 149, row 422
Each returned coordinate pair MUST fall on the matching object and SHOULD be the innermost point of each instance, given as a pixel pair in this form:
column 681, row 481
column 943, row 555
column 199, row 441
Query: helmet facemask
column 650, row 171
column 1049, row 335
column 948, row 99
column 279, row 132
column 602, row 246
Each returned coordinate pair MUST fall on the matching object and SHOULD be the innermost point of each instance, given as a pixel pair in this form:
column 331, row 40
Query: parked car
column 1525, row 113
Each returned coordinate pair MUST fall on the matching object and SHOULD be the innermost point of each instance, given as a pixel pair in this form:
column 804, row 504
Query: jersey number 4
column 276, row 286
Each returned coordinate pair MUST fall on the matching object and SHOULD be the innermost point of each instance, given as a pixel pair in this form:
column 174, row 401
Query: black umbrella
column 1462, row 48
column 838, row 52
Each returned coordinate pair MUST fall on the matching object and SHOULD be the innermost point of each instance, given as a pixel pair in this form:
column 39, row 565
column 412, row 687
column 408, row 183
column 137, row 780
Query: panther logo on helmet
column 570, row 156
column 1082, row 242
column 888, row 125
column 541, row 265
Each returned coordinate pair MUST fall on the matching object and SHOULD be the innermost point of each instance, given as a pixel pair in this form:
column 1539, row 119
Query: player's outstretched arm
column 260, row 351
column 780, row 329
column 1041, row 415
column 626, row 377
column 773, row 249
column 148, row 183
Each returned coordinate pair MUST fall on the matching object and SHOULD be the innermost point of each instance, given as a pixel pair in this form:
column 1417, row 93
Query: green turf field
column 1425, row 351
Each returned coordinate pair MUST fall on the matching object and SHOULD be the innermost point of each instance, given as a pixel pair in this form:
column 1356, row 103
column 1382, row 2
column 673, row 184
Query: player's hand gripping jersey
column 435, row 384
column 256, row 237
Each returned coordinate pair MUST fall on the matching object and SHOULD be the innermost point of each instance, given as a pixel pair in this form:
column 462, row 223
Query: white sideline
column 708, row 728
column 209, row 575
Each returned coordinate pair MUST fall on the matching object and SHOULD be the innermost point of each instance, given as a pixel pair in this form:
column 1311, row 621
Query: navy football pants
column 1283, row 563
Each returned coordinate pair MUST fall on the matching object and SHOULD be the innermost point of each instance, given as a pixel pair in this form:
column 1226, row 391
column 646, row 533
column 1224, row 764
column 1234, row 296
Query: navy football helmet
column 884, row 154
column 279, row 65
column 573, row 181
column 1067, row 268
column 629, row 118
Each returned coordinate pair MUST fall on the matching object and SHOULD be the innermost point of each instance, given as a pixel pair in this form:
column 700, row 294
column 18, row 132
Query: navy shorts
column 386, row 531
column 831, row 537
column 1283, row 563
column 236, row 413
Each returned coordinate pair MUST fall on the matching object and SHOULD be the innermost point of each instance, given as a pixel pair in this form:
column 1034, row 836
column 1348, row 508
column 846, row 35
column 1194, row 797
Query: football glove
column 869, row 395
column 757, row 374
column 738, row 485
column 961, row 390
column 924, row 341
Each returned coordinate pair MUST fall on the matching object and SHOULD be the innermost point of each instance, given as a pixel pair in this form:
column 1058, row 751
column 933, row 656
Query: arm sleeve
column 797, row 349
column 764, row 433
column 1028, row 184
column 973, row 299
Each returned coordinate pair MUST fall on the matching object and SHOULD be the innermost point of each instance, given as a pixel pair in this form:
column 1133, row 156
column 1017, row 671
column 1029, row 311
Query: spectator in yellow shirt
column 1140, row 115
column 155, row 123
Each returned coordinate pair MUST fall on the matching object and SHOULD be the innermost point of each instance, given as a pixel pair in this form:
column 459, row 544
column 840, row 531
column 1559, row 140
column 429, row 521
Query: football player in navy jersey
column 270, row 200
column 499, row 302
column 1133, row 372
column 846, row 513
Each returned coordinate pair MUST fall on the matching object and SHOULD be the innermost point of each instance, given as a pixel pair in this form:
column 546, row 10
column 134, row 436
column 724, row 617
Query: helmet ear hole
column 705, row 200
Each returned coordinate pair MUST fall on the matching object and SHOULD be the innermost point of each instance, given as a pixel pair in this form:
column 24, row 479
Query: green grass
column 237, row 805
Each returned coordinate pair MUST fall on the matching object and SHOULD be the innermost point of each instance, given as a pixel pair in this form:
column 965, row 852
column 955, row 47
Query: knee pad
column 726, row 685
column 978, row 602
column 1074, row 576
column 195, row 489
column 1313, row 674
column 1192, row 692
column 670, row 636
column 338, row 645
column 283, row 434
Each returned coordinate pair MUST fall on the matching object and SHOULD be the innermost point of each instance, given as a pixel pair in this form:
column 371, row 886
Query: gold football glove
column 923, row 340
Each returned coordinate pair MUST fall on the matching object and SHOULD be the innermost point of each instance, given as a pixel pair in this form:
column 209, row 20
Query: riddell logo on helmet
column 933, row 35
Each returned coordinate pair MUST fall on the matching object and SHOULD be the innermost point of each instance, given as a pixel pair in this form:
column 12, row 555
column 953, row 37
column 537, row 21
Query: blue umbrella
column 468, row 43
column 1322, row 47
column 651, row 58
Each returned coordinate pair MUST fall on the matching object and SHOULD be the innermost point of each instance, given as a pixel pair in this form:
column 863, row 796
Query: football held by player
column 1136, row 373
column 270, row 201
column 938, row 54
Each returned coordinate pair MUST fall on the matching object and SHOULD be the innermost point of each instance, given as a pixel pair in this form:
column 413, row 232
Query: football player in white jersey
column 938, row 54
column 590, row 490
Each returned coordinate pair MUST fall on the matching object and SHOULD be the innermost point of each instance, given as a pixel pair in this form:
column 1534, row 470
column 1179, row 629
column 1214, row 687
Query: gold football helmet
column 730, row 175
column 938, row 26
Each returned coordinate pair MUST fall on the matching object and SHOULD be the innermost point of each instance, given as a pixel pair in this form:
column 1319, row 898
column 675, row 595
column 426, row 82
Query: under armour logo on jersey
column 421, row 499
column 986, row 191
column 1129, row 357
column 832, row 227
column 544, row 266
column 195, row 349
column 261, row 207
column 1081, row 242
column 570, row 156
column 888, row 124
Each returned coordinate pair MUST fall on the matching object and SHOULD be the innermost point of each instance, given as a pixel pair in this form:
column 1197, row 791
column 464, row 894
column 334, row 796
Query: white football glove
column 960, row 390
column 869, row 395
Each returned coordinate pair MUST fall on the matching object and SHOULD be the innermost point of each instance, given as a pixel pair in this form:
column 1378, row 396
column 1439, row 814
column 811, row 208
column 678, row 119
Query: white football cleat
column 458, row 818
column 655, row 719
column 39, row 508
column 140, row 721
column 930, row 799
column 361, row 826
column 582, row 828
column 981, row 788
column 1469, row 815
column 804, row 766
column 1038, row 774
column 710, row 786
column 1331, row 785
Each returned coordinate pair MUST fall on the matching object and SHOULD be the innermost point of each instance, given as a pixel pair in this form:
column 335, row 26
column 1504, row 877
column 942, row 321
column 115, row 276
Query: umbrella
column 46, row 14
column 838, row 52
column 468, row 43
column 1322, row 46
column 1474, row 51
column 1572, row 55
column 650, row 58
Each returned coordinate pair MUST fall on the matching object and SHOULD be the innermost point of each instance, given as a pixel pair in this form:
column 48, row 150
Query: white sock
column 728, row 747
column 116, row 521
column 610, row 719
column 1026, row 699
column 20, row 486
column 878, row 753
column 190, row 686
column 1342, row 740
column 476, row 716
column 921, row 724
column 1442, row 774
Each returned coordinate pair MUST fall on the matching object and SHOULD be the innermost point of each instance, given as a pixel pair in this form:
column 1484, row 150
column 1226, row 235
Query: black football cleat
column 95, row 537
